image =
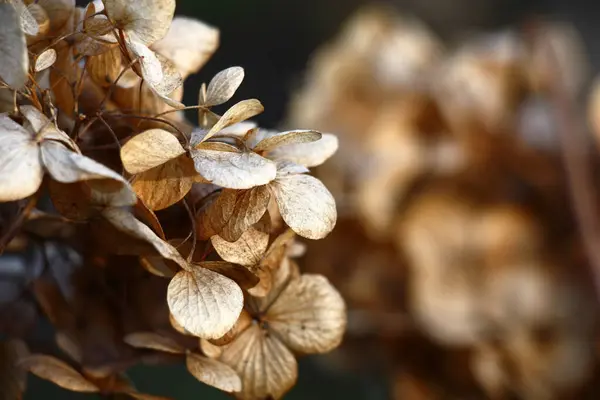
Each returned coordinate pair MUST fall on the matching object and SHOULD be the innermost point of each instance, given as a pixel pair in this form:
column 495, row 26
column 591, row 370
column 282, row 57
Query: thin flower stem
column 164, row 121
column 114, row 84
column 194, row 238
column 182, row 109
column 575, row 156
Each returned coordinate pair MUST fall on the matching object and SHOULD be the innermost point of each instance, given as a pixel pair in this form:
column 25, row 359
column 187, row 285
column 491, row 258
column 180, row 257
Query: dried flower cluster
column 141, row 237
column 465, row 259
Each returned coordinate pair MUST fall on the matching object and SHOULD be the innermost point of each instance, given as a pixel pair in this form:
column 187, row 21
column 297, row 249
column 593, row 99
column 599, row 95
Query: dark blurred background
column 273, row 41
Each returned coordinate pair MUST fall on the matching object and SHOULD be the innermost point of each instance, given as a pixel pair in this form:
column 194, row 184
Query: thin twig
column 194, row 238
column 576, row 160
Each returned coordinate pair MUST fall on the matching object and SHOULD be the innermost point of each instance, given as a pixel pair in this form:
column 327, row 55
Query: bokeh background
column 274, row 40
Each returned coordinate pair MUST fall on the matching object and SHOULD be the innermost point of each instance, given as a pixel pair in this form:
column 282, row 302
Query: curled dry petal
column 66, row 166
column 150, row 149
column 213, row 373
column 204, row 302
column 287, row 138
column 148, row 19
column 188, row 44
column 13, row 49
column 239, row 112
column 45, row 60
column 58, row 372
column 223, row 86
column 153, row 341
column 126, row 222
column 267, row 368
column 167, row 88
column 21, row 169
column 248, row 249
column 233, row 170
column 233, row 213
column 307, row 154
column 305, row 205
column 309, row 315
column 150, row 67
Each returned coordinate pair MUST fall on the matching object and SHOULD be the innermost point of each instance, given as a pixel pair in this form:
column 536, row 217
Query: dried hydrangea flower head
column 93, row 141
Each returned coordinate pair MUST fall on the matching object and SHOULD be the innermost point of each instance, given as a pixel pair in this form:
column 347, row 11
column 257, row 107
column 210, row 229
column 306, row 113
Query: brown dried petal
column 234, row 212
column 205, row 303
column 309, row 315
column 165, row 185
column 213, row 373
column 267, row 368
column 104, row 68
column 126, row 222
column 238, row 273
column 153, row 341
column 58, row 372
column 248, row 249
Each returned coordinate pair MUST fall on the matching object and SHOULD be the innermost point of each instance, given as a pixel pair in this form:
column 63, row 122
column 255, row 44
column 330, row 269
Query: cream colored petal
column 149, row 64
column 13, row 49
column 36, row 119
column 148, row 19
column 150, row 149
column 28, row 22
column 126, row 222
column 188, row 44
column 239, row 112
column 287, row 138
column 59, row 373
column 66, row 166
column 168, row 88
column 307, row 154
column 223, row 86
column 267, row 368
column 305, row 205
column 21, row 169
column 309, row 315
column 233, row 170
column 213, row 373
column 45, row 60
column 204, row 302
